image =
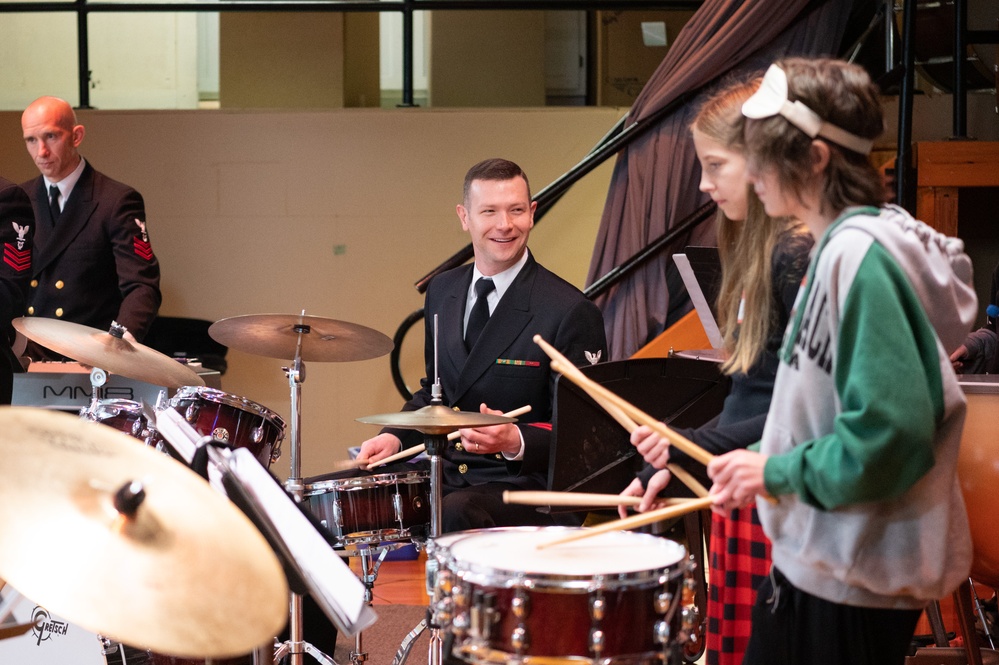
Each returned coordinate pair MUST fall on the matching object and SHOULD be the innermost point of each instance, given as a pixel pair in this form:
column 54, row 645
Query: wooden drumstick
column 530, row 498
column 450, row 437
column 633, row 521
column 343, row 465
column 688, row 479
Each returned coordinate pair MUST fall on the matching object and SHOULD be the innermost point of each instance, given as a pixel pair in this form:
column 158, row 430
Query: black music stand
column 591, row 451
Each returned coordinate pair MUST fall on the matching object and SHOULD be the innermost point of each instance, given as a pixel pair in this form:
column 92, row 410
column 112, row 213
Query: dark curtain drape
column 655, row 181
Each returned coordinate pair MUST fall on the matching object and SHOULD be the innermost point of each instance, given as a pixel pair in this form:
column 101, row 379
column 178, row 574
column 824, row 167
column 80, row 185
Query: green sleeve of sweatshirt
column 887, row 375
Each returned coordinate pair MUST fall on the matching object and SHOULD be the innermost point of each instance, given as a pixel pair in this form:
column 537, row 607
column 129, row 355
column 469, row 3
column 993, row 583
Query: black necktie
column 480, row 311
column 54, row 201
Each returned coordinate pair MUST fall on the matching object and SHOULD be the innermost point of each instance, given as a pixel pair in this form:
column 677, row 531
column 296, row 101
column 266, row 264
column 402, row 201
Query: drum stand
column 369, row 572
column 296, row 647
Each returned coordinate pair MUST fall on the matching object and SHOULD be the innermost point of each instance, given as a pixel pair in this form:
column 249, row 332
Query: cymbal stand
column 98, row 378
column 296, row 647
column 435, row 443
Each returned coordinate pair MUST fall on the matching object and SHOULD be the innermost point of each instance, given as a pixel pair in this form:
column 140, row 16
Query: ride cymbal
column 166, row 564
column 277, row 336
column 435, row 419
column 99, row 348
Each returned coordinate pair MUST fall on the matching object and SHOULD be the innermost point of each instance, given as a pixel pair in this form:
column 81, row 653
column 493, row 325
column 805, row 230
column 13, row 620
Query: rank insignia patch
column 18, row 259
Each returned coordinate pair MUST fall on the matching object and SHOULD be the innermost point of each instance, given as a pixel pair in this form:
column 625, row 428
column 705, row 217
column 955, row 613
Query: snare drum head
column 491, row 552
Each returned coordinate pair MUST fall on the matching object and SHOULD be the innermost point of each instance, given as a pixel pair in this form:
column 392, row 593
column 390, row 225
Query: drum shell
column 121, row 414
column 237, row 421
column 559, row 617
column 371, row 508
column 978, row 473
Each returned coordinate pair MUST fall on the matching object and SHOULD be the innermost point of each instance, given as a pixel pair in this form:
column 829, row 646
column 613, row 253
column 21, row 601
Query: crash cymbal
column 184, row 572
column 435, row 419
column 277, row 335
column 99, row 348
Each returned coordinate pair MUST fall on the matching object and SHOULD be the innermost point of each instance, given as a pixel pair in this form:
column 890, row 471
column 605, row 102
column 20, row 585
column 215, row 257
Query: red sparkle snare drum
column 611, row 598
column 367, row 508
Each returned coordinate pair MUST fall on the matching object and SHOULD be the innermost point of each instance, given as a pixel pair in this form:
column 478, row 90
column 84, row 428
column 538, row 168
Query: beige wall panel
column 281, row 60
column 487, row 58
column 335, row 212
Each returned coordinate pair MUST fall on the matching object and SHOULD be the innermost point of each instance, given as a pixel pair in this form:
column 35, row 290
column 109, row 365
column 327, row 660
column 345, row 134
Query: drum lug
column 397, row 507
column 460, row 624
column 257, row 434
column 598, row 642
column 445, row 582
column 337, row 511
column 518, row 639
column 483, row 615
column 191, row 413
column 521, row 604
column 690, row 615
column 598, row 608
column 444, row 611
column 662, row 632
column 663, row 602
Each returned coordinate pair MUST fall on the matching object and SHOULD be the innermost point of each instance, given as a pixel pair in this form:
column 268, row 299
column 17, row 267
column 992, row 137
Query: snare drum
column 368, row 508
column 613, row 598
column 121, row 414
column 237, row 421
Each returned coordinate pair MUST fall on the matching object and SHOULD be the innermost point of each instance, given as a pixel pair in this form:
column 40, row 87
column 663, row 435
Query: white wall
column 136, row 60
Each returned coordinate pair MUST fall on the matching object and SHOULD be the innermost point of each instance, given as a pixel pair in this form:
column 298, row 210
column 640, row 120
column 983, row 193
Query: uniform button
column 462, row 468
column 58, row 312
column 34, row 283
column 31, row 310
column 59, row 284
column 499, row 456
column 459, row 447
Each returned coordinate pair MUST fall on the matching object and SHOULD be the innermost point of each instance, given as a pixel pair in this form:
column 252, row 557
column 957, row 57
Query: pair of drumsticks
column 630, row 417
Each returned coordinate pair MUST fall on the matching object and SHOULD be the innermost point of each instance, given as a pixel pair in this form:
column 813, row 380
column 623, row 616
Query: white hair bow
column 771, row 99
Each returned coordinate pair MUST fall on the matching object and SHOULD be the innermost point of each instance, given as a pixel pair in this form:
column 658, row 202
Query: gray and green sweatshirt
column 866, row 418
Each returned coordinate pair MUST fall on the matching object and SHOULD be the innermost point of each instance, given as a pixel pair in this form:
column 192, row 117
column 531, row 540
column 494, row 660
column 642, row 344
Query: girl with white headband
column 860, row 446
column 763, row 260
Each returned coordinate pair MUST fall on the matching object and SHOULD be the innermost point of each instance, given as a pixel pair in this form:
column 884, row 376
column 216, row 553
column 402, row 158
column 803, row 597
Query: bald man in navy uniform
column 93, row 261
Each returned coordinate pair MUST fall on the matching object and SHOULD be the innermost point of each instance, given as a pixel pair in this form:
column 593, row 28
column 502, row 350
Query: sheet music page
column 700, row 302
column 332, row 583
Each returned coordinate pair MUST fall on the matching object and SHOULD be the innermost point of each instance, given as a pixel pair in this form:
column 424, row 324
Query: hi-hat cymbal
column 99, row 348
column 435, row 419
column 277, row 336
column 184, row 572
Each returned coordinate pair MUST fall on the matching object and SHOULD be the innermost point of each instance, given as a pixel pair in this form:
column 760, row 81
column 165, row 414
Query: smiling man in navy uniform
column 502, row 368
column 93, row 263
